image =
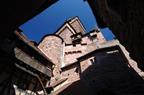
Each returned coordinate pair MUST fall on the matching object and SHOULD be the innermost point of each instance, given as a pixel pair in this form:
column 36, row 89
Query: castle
column 86, row 63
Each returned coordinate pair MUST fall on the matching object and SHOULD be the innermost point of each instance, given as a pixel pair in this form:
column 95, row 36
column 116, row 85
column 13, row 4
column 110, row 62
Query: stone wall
column 109, row 71
column 125, row 19
column 71, row 53
column 52, row 47
column 66, row 35
column 77, row 25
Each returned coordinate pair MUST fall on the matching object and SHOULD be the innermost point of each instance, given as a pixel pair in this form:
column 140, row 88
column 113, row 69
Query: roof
column 69, row 21
column 47, row 35
column 23, row 38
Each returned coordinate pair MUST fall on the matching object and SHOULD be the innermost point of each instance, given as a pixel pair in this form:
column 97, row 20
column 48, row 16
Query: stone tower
column 80, row 56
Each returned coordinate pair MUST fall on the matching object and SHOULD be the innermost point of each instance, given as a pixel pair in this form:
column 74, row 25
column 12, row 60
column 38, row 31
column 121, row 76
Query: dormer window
column 76, row 38
column 93, row 35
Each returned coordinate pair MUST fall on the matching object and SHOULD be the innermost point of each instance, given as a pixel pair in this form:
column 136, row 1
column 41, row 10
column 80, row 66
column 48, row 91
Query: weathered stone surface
column 77, row 25
column 93, row 64
column 106, row 71
column 125, row 18
column 59, row 47
column 109, row 71
column 51, row 46
column 66, row 35
column 20, row 55
column 22, row 65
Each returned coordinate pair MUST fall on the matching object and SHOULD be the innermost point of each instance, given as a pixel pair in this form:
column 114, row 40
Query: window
column 93, row 61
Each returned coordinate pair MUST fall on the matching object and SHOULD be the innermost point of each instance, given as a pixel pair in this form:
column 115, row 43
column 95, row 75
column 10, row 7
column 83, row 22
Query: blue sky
column 53, row 17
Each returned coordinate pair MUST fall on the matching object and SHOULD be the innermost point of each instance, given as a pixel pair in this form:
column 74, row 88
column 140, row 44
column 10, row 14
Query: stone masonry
column 67, row 49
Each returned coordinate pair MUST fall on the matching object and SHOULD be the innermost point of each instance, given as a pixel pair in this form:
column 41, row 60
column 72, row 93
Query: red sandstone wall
column 77, row 26
column 51, row 46
column 63, row 55
column 66, row 35
column 72, row 74
column 71, row 53
column 100, row 38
